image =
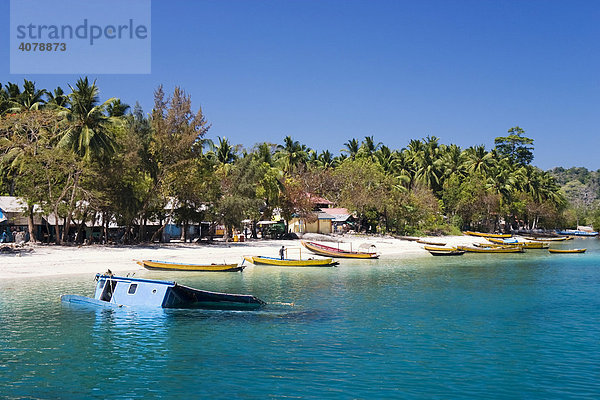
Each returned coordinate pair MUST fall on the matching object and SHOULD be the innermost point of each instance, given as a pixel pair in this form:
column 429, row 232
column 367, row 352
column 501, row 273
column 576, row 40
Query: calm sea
column 476, row 326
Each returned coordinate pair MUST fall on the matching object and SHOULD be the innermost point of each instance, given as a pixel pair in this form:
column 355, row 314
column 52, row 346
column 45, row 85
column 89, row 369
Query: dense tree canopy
column 86, row 160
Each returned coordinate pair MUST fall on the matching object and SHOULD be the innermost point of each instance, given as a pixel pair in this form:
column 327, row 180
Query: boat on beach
column 116, row 291
column 286, row 262
column 486, row 235
column 489, row 249
column 430, row 243
column 328, row 251
column 566, row 251
column 168, row 266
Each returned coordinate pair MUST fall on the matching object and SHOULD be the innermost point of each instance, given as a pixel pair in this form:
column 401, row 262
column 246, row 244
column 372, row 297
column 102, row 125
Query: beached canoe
column 566, row 251
column 167, row 266
column 486, row 235
column 327, row 251
column 429, row 242
column 314, row 262
column 503, row 249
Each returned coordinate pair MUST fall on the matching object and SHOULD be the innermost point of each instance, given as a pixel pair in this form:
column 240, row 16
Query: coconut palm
column 87, row 132
column 223, row 153
column 478, row 160
column 368, row 147
column 326, row 160
column 351, row 147
column 29, row 99
column 292, row 154
column 57, row 99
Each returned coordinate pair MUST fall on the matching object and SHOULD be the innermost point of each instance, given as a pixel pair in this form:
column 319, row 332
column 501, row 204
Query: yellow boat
column 503, row 249
column 564, row 251
column 286, row 262
column 437, row 248
column 486, row 235
column 327, row 251
column 167, row 266
column 525, row 245
column 549, row 239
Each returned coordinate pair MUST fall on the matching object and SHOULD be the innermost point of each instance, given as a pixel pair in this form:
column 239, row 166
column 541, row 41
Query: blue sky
column 327, row 71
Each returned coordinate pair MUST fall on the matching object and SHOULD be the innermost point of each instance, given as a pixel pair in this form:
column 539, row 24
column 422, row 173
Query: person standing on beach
column 281, row 252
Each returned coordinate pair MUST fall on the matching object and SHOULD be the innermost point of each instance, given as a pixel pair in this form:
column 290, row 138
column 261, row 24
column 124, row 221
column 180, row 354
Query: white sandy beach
column 47, row 260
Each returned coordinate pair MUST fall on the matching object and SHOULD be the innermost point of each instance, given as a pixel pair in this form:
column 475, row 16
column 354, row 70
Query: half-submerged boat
column 492, row 235
column 566, row 251
column 503, row 249
column 286, row 262
column 323, row 250
column 116, row 291
column 167, row 266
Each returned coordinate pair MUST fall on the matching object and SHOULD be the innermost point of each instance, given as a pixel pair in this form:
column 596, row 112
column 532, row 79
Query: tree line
column 86, row 160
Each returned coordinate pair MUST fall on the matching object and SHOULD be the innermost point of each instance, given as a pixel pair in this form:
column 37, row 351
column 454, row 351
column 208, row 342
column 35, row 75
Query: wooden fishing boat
column 428, row 242
column 286, row 262
column 566, row 251
column 447, row 253
column 437, row 248
column 323, row 250
column 576, row 232
column 503, row 249
column 486, row 235
column 167, row 266
column 550, row 239
column 515, row 242
column 114, row 291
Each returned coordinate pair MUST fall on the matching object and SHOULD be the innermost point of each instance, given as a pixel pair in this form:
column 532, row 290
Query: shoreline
column 51, row 260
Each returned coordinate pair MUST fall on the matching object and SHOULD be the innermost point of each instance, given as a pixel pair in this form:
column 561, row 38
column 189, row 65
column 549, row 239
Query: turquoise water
column 476, row 326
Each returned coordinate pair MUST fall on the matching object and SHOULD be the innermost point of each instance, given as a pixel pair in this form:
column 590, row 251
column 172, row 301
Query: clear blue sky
column 330, row 70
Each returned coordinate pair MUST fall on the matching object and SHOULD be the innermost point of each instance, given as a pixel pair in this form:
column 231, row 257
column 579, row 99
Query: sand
column 49, row 260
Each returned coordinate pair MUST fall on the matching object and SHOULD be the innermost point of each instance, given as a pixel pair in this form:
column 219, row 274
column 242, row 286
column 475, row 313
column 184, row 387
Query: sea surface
column 477, row 326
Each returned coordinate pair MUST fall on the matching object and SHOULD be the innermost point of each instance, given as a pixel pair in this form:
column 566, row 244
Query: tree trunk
column 70, row 210
column 56, row 226
column 30, row 224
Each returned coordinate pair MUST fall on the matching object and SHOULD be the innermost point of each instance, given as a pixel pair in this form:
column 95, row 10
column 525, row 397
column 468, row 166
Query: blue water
column 475, row 326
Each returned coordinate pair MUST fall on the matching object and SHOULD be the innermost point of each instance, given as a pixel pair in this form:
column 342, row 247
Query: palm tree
column 116, row 108
column 88, row 132
column 57, row 99
column 326, row 160
column 224, row 153
column 29, row 99
column 478, row 160
column 368, row 147
column 352, row 147
column 292, row 154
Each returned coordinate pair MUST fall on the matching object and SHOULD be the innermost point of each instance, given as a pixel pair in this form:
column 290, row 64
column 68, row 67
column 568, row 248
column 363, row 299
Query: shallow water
column 475, row 326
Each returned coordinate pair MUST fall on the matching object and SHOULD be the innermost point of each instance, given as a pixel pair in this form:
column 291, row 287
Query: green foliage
column 76, row 155
column 515, row 147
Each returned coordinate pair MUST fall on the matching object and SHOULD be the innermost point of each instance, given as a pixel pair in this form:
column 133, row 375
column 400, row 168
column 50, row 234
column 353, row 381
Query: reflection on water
column 471, row 326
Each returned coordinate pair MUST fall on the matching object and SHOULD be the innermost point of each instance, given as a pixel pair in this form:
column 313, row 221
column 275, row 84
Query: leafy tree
column 516, row 147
